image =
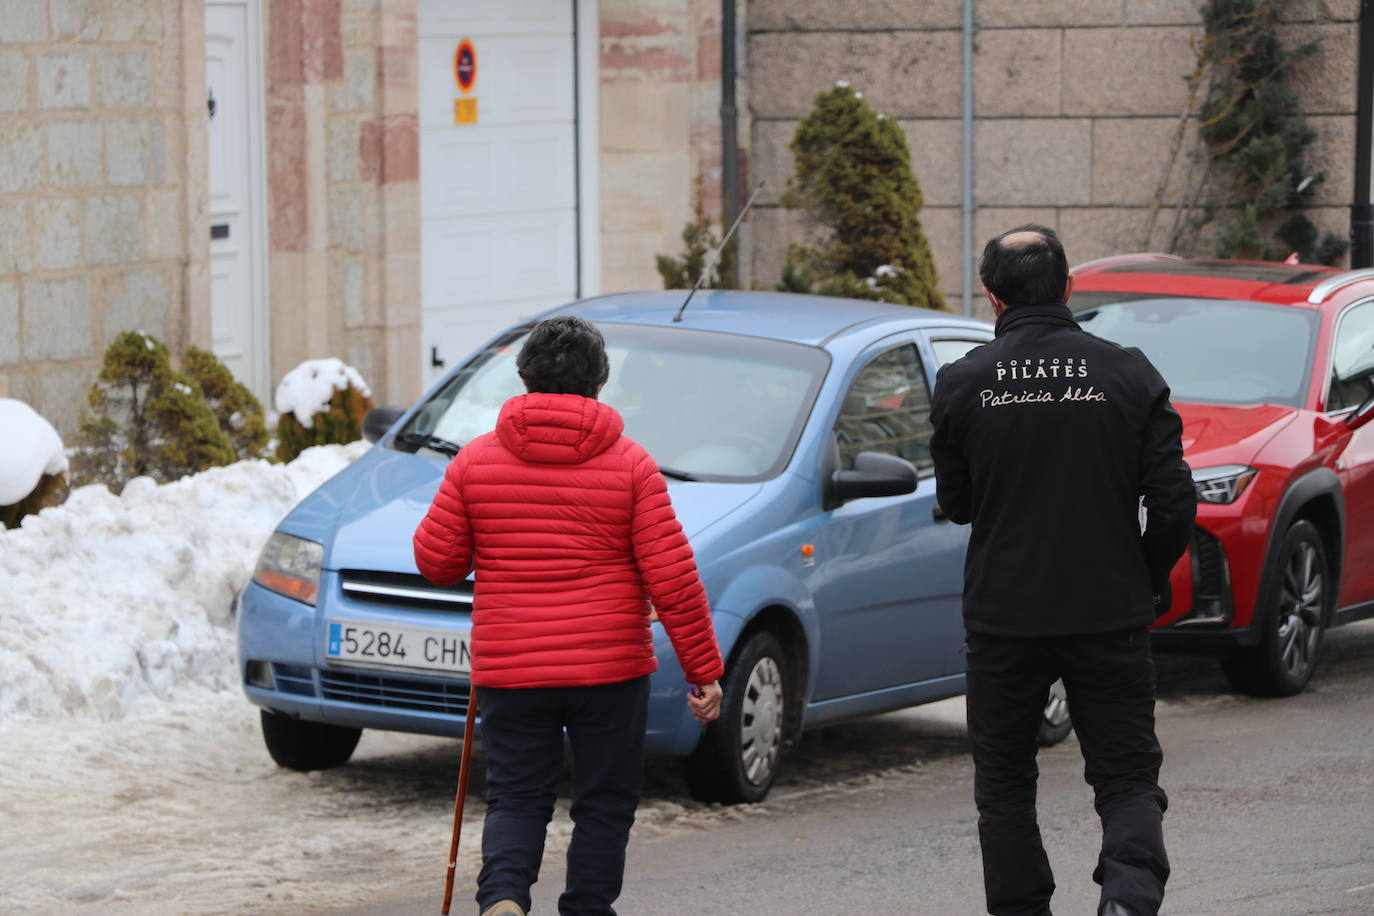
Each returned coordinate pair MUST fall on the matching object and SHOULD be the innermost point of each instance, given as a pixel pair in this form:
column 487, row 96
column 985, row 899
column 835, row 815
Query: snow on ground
column 119, row 605
column 306, row 389
column 29, row 448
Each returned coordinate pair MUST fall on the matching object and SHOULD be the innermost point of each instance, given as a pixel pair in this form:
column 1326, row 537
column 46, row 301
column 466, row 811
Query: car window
column 1214, row 351
column 887, row 409
column 715, row 406
column 1352, row 362
column 949, row 349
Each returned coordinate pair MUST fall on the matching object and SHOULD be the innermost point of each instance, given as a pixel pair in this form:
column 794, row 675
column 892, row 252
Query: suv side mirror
column 1361, row 415
column 379, row 419
column 874, row 474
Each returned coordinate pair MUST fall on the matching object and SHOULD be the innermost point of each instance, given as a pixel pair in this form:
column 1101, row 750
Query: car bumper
column 282, row 667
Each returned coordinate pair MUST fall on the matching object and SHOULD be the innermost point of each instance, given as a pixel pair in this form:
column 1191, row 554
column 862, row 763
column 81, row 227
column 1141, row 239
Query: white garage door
column 498, row 168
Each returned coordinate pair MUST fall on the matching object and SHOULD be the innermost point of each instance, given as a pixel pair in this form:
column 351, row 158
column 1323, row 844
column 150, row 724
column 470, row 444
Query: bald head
column 1025, row 266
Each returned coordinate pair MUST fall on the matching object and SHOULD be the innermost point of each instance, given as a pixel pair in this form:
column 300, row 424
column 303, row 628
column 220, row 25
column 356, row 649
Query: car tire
column 1292, row 619
column 300, row 745
column 738, row 755
column 1055, row 723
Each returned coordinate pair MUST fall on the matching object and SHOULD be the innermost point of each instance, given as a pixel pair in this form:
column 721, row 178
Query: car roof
column 1303, row 285
column 795, row 317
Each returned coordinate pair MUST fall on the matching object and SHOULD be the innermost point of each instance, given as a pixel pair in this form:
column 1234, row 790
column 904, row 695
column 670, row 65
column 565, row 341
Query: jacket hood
column 557, row 428
column 1215, row 434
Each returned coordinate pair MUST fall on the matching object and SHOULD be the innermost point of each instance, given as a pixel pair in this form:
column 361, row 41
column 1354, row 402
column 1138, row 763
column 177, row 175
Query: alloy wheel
column 761, row 721
column 1299, row 617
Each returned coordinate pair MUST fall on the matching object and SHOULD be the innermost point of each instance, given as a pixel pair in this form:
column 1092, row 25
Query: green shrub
column 339, row 423
column 145, row 419
column 237, row 410
column 854, row 180
column 700, row 240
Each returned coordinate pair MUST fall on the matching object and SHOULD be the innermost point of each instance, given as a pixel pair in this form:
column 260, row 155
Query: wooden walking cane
column 464, row 759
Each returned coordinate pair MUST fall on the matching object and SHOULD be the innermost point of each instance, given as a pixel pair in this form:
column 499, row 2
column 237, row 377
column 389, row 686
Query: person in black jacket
column 1046, row 440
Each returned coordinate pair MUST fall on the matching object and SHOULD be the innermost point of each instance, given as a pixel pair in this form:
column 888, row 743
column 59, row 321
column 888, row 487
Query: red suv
column 1272, row 369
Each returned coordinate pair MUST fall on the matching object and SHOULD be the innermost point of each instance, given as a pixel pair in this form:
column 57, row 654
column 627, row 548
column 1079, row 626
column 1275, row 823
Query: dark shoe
column 1115, row 908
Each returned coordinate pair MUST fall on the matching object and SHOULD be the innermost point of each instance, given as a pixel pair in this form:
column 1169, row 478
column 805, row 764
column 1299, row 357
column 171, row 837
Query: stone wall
column 343, row 188
column 1075, row 107
column 99, row 180
column 660, row 129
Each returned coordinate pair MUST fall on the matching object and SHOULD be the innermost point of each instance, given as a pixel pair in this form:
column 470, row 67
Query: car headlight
column 291, row 566
column 1222, row 484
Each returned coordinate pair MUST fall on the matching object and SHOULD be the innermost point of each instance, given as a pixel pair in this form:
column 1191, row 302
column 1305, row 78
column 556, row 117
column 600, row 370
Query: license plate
column 393, row 646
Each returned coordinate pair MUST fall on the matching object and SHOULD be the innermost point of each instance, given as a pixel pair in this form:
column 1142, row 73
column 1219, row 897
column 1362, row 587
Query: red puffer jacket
column 569, row 526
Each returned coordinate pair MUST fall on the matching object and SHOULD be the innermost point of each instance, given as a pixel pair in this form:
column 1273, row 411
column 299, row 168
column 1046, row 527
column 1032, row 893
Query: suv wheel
column 1293, row 619
column 300, row 745
column 1055, row 724
column 738, row 755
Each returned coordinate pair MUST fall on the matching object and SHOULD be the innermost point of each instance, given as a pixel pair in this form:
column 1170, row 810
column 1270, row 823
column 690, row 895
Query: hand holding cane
column 464, row 760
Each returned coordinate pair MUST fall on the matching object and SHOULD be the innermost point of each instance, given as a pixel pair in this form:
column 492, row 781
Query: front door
column 238, row 296
column 889, row 600
column 498, row 169
column 1352, row 381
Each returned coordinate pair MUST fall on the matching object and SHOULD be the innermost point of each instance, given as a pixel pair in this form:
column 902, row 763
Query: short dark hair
column 564, row 355
column 1032, row 272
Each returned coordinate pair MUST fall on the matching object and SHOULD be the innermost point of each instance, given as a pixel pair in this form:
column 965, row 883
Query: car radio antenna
column 714, row 259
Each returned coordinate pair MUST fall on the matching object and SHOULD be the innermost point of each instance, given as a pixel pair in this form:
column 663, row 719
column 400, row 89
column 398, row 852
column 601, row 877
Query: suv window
column 1352, row 364
column 948, row 349
column 887, row 409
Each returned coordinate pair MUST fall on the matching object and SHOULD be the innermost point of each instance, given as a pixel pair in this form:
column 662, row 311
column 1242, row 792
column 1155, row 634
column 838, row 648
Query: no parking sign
column 465, row 75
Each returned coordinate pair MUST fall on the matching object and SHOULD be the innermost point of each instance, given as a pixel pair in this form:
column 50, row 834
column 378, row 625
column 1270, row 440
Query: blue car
column 794, row 433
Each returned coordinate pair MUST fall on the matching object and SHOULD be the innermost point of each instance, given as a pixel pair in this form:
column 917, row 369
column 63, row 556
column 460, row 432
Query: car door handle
column 938, row 514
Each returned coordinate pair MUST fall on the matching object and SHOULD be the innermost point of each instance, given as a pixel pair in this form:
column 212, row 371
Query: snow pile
column 306, row 389
column 29, row 448
column 115, row 605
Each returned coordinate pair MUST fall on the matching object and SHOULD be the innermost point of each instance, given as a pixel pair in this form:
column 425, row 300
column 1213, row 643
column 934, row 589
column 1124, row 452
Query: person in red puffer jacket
column 569, row 527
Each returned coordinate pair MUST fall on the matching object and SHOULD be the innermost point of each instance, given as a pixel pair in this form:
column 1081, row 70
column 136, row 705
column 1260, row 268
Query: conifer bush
column 144, row 418
column 700, row 241
column 51, row 491
column 237, row 409
column 853, row 179
column 337, row 421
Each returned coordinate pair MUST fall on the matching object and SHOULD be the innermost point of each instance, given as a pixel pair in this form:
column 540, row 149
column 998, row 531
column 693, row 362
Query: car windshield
column 706, row 405
column 1212, row 351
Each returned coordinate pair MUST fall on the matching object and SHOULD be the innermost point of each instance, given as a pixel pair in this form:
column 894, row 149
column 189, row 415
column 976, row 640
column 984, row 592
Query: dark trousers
column 522, row 733
column 1110, row 682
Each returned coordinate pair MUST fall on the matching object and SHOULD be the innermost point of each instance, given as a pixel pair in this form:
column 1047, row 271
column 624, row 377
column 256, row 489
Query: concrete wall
column 660, row 129
column 100, row 179
column 1075, row 104
column 343, row 188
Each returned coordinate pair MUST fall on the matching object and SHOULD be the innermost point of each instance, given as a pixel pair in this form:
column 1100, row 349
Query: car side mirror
column 874, row 474
column 1361, row 415
column 379, row 419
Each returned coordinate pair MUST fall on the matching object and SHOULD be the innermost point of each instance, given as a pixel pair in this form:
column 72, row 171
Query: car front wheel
column 738, row 755
column 300, row 745
column 1293, row 620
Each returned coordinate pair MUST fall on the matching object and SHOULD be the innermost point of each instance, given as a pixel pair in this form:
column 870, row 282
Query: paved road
column 1272, row 815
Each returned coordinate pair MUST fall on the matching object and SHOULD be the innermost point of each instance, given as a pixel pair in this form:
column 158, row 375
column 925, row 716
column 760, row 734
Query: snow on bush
column 29, row 448
column 307, row 389
column 117, row 605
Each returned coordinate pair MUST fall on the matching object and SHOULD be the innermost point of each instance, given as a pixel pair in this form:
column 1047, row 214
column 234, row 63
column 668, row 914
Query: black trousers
column 522, row 733
column 1110, row 682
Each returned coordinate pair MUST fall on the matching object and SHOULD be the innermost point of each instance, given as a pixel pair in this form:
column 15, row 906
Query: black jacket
column 1045, row 440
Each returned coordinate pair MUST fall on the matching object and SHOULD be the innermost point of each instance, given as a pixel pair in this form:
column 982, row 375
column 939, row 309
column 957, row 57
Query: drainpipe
column 968, row 156
column 729, row 123
column 1362, row 209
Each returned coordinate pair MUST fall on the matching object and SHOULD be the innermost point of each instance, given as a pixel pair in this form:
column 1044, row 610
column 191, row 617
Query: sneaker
column 504, row 908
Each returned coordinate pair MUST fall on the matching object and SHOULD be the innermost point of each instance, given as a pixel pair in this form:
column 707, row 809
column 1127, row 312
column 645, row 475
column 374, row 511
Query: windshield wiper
column 675, row 474
column 433, row 443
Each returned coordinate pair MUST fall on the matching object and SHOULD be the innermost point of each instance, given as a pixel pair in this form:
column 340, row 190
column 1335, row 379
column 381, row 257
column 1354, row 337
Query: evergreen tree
column 237, row 410
column 700, row 240
column 854, row 179
column 341, row 422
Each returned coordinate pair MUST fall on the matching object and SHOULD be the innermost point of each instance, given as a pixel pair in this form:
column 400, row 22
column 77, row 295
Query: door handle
column 434, row 359
column 938, row 514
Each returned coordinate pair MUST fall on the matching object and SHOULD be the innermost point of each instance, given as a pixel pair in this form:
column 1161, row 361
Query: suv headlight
column 1222, row 484
column 291, row 566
